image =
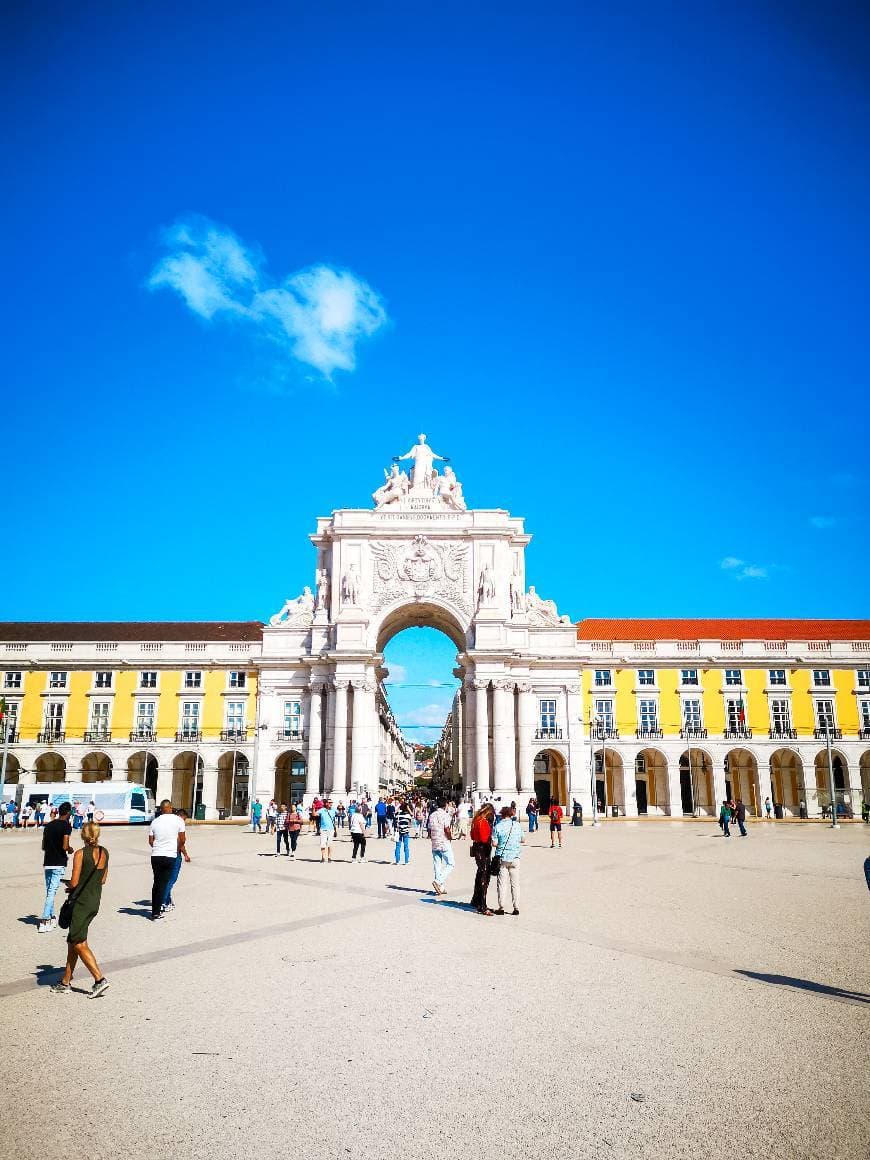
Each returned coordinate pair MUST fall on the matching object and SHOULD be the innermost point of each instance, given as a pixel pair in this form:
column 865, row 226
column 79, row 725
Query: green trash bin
column 199, row 813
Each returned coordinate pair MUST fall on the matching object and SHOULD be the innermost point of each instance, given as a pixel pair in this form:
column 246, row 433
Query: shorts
column 326, row 838
column 554, row 826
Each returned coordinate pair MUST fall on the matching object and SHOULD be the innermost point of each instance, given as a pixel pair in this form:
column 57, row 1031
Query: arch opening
column 651, row 782
column 550, row 778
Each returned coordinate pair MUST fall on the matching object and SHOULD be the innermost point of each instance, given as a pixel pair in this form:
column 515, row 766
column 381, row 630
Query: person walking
column 271, row 816
column 80, row 816
column 725, row 819
column 740, row 815
column 767, row 808
column 89, row 873
column 555, row 824
column 463, row 813
column 442, row 852
column 55, row 852
column 381, row 815
column 294, row 823
column 26, row 814
column 507, row 840
column 532, row 812
column 404, row 821
column 166, row 837
column 281, row 831
column 92, row 809
column 391, row 818
column 481, row 846
column 340, row 815
column 256, row 817
column 41, row 807
column 326, row 818
column 182, row 856
column 358, row 836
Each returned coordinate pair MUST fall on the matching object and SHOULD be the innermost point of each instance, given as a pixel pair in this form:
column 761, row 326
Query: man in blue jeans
column 442, row 851
column 381, row 814
column 55, row 847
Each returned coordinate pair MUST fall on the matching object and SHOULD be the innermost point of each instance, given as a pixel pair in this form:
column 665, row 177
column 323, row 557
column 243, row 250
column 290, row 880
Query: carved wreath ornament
column 424, row 568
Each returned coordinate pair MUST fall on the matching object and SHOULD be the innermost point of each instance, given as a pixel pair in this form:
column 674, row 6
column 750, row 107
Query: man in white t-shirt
column 442, row 853
column 166, row 837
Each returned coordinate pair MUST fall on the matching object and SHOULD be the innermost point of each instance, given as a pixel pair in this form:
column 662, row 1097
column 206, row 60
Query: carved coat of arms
column 424, row 568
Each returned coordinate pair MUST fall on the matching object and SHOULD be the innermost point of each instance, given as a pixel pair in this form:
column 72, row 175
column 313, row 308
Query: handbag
column 64, row 917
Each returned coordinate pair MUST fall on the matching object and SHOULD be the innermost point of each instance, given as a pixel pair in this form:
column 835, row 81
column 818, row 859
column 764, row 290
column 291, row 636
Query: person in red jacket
column 555, row 824
column 481, row 840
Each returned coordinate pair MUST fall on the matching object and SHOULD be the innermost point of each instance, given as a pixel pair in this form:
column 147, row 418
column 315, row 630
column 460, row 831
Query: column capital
column 524, row 686
column 574, row 687
column 504, row 685
column 316, row 687
column 477, row 684
column 363, row 684
column 340, row 683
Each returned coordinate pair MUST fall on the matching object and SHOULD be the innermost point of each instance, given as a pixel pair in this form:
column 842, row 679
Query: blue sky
column 612, row 259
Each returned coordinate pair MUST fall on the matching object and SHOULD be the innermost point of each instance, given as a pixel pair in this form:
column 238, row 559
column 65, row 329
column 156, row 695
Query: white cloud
column 398, row 674
column 822, row 522
column 317, row 315
column 432, row 714
column 743, row 571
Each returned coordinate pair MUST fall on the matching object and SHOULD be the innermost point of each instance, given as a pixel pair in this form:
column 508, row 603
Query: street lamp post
column 835, row 825
column 592, row 786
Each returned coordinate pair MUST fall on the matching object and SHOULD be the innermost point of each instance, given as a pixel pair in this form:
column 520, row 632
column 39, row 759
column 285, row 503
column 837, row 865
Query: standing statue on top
column 422, row 473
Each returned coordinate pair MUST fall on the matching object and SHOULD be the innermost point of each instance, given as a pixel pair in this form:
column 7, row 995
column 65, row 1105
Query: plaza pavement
column 664, row 993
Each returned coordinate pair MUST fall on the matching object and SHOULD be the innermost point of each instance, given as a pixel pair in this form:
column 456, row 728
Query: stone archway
column 741, row 779
column 96, row 767
column 13, row 770
column 187, row 793
column 694, row 792
column 787, row 780
column 233, row 786
column 289, row 777
column 550, row 784
column 842, row 785
column 651, row 782
column 421, row 558
column 610, row 783
column 50, row 767
column 143, row 768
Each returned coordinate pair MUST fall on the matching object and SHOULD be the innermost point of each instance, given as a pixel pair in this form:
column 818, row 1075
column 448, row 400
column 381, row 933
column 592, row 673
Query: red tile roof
column 712, row 628
column 127, row 630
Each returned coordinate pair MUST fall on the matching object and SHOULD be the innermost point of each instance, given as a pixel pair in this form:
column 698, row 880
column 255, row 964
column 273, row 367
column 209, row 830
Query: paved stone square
column 664, row 993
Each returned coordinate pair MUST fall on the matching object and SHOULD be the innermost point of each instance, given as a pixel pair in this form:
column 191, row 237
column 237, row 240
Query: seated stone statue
column 393, row 489
column 296, row 610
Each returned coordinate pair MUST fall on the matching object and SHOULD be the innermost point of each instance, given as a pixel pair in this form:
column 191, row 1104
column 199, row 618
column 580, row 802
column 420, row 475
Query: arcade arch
column 96, row 767
column 50, row 767
column 233, row 786
column 143, row 768
column 842, row 787
column 651, row 782
column 13, row 770
column 741, row 779
column 187, row 780
column 289, row 777
column 551, row 778
column 696, row 784
column 787, row 780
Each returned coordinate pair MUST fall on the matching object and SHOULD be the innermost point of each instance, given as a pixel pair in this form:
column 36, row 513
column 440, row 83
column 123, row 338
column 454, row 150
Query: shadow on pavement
column 136, row 911
column 806, row 985
column 452, row 904
column 408, row 889
column 48, row 973
column 30, row 920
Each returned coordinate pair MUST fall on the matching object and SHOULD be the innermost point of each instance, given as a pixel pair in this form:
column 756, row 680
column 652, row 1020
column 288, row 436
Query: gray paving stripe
column 20, row 986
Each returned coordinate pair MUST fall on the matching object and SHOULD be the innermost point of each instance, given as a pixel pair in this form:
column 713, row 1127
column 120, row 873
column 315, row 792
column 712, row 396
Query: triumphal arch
column 420, row 556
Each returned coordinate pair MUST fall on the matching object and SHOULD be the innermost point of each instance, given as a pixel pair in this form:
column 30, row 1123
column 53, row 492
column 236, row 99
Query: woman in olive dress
column 89, row 873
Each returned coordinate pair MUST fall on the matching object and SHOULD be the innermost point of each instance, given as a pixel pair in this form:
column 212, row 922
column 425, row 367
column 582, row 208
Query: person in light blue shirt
column 507, row 842
column 326, row 817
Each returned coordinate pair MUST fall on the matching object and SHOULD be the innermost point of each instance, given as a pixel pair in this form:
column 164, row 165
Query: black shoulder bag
column 64, row 918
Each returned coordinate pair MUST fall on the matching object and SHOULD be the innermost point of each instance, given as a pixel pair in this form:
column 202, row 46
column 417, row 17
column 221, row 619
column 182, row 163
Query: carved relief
column 297, row 611
column 419, row 568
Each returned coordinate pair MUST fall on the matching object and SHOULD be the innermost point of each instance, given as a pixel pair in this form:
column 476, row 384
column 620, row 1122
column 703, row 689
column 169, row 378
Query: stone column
column 338, row 781
column 313, row 760
column 579, row 785
column 481, row 736
column 469, row 737
column 675, row 793
column 164, row 783
column 719, row 786
column 527, row 717
column 504, row 745
column 365, row 731
column 629, row 786
column 209, row 791
column 765, row 787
